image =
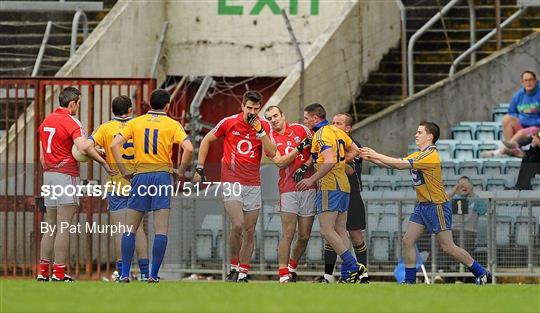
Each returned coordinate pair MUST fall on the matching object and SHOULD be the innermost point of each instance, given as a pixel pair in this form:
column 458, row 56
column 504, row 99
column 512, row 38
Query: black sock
column 330, row 257
column 361, row 253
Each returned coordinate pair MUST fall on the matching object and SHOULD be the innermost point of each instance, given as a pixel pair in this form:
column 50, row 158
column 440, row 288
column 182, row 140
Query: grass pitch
column 30, row 296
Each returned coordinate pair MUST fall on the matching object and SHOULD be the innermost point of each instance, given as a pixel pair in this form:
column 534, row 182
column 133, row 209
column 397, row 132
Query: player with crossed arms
column 245, row 139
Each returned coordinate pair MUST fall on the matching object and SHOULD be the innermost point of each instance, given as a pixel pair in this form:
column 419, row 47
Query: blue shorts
column 117, row 202
column 151, row 191
column 435, row 217
column 332, row 201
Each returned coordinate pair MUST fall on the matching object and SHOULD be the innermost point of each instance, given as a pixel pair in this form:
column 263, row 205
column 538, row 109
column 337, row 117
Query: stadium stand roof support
column 25, row 6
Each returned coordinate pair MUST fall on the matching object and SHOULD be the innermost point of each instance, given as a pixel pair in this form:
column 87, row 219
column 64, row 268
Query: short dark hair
column 316, row 109
column 348, row 118
column 159, row 99
column 528, row 72
column 273, row 107
column 67, row 95
column 464, row 177
column 433, row 129
column 253, row 96
column 121, row 105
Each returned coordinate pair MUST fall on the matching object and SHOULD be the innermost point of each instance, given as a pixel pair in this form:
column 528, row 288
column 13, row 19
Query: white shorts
column 250, row 197
column 301, row 203
column 58, row 182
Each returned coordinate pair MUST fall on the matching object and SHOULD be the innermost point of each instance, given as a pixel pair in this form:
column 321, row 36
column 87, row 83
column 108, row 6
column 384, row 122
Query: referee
column 356, row 216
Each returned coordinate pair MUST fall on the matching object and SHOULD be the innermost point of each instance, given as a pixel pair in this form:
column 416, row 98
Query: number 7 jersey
column 242, row 150
column 153, row 134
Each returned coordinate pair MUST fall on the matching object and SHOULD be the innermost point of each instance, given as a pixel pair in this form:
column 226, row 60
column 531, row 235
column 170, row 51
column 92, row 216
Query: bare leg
column 288, row 227
column 246, row 249
column 305, row 223
column 449, row 247
column 327, row 221
column 64, row 215
column 510, row 125
column 236, row 215
column 47, row 241
column 414, row 231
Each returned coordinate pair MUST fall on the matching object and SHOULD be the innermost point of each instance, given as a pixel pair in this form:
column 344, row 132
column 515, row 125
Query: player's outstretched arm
column 391, row 162
column 203, row 153
column 187, row 157
column 87, row 147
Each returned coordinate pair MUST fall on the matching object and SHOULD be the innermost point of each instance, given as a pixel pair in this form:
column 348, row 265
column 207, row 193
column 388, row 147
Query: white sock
column 242, row 275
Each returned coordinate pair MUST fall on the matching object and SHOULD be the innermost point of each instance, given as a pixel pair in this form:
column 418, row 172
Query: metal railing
column 42, row 48
column 75, row 29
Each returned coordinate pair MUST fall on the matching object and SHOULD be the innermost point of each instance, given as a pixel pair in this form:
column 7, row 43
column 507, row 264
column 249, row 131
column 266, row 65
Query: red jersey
column 242, row 150
column 286, row 143
column 56, row 134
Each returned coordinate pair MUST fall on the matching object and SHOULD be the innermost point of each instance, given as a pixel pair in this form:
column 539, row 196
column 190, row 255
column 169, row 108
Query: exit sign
column 227, row 7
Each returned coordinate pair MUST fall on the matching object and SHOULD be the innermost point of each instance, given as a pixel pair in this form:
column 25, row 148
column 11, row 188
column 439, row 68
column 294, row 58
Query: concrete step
column 24, row 27
column 459, row 44
column 29, row 39
column 481, row 22
column 33, row 50
column 395, row 78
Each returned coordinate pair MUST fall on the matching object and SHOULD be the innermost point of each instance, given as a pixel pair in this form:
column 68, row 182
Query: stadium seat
column 203, row 244
column 498, row 113
column 219, row 245
column 495, row 184
column 403, row 184
column 372, row 222
column 512, row 167
column 535, row 182
column 481, row 235
column 503, row 230
column 446, row 148
column 486, row 132
column 271, row 241
column 469, row 168
column 464, row 151
column 462, row 132
column 478, row 183
column 449, row 168
column 485, row 146
column 521, row 230
column 314, row 249
column 449, row 183
column 382, row 185
column 380, row 246
column 376, row 170
column 405, row 222
column 388, row 222
column 492, row 167
column 213, row 222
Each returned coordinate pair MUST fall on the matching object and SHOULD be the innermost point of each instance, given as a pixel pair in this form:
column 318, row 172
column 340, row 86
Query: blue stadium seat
column 503, row 230
column 203, row 244
column 493, row 167
column 521, row 230
column 449, row 168
column 213, row 222
column 380, row 246
column 449, row 183
column 464, row 151
column 403, row 184
column 535, row 182
column 485, row 146
column 498, row 113
column 477, row 182
column 495, row 184
column 376, row 170
column 462, row 132
column 512, row 167
column 382, row 185
column 219, row 245
column 372, row 222
column 486, row 132
column 446, row 148
column 469, row 168
column 388, row 222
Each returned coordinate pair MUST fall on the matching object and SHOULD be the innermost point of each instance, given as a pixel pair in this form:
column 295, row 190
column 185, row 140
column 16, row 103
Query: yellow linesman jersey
column 331, row 137
column 427, row 175
column 153, row 134
column 103, row 136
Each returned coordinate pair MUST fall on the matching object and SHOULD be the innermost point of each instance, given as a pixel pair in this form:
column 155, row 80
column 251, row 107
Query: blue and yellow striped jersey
column 427, row 175
column 103, row 136
column 153, row 134
column 331, row 137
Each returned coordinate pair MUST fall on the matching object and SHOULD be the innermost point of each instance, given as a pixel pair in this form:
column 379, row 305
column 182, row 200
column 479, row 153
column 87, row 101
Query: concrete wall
column 467, row 96
column 342, row 57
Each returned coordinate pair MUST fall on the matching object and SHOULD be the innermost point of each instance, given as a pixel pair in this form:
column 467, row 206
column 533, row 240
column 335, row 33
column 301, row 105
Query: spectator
column 523, row 118
column 530, row 166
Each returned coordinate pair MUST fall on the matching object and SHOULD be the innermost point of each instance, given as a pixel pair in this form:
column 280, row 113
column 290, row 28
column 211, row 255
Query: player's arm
column 116, row 144
column 203, row 153
column 269, row 147
column 283, row 161
column 42, row 157
column 187, row 157
column 349, row 170
column 351, row 152
column 324, row 168
column 87, row 147
column 379, row 158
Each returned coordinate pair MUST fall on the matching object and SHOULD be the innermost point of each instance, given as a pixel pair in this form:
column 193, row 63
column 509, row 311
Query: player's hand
column 199, row 176
column 305, row 144
column 368, row 153
column 305, row 184
column 254, row 121
column 128, row 176
column 109, row 170
column 299, row 173
column 101, row 152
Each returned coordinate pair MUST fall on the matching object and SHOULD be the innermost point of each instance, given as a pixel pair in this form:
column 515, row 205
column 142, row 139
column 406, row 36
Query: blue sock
column 143, row 266
column 349, row 260
column 119, row 267
column 477, row 269
column 410, row 275
column 344, row 271
column 158, row 252
column 128, row 248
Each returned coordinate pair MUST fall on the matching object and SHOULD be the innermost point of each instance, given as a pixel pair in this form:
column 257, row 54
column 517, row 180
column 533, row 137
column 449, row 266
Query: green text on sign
column 226, row 7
